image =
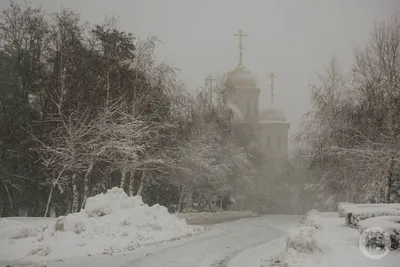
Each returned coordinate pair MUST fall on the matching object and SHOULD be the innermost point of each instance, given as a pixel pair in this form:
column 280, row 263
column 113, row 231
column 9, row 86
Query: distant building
column 269, row 125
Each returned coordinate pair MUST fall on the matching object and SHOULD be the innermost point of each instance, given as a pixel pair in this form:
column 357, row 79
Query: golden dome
column 241, row 77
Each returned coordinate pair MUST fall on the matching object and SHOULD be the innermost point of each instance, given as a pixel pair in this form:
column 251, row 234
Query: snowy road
column 222, row 245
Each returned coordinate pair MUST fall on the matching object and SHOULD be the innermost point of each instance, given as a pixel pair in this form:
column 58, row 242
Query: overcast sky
column 295, row 39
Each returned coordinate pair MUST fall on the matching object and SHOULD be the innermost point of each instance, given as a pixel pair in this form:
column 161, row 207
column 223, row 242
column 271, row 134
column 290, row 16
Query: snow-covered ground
column 339, row 246
column 221, row 245
column 203, row 218
column 121, row 231
column 110, row 223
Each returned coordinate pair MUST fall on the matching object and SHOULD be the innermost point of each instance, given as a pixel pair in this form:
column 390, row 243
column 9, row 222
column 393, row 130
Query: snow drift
column 110, row 222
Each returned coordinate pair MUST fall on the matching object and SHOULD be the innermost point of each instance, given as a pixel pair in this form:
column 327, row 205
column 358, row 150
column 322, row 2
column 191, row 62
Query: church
column 270, row 125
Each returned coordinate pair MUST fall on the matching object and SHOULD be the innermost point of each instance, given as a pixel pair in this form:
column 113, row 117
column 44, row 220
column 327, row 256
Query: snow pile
column 302, row 244
column 381, row 231
column 111, row 222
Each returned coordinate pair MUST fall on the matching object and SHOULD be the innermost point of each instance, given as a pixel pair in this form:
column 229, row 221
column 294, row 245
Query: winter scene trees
column 96, row 111
column 107, row 158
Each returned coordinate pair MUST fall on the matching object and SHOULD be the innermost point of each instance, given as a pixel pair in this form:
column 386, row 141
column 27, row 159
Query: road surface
column 222, row 245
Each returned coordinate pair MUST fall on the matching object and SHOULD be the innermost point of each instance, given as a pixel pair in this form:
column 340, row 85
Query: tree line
column 350, row 140
column 84, row 108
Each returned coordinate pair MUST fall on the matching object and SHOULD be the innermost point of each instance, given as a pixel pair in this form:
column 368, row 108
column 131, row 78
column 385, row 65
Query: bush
column 355, row 214
column 302, row 239
column 378, row 229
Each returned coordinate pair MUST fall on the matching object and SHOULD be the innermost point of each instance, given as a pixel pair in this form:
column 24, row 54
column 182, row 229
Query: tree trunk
column 182, row 192
column 220, row 203
column 86, row 184
column 389, row 182
column 140, row 190
column 49, row 200
column 123, row 178
column 198, row 202
column 131, row 180
column 11, row 205
column 75, row 196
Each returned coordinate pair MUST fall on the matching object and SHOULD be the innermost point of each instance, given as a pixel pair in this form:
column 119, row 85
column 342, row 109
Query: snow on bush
column 111, row 222
column 357, row 213
column 302, row 244
column 313, row 219
column 342, row 208
column 345, row 207
column 381, row 231
column 302, row 239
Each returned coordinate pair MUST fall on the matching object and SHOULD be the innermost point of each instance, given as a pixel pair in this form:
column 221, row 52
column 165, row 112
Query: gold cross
column 272, row 76
column 240, row 34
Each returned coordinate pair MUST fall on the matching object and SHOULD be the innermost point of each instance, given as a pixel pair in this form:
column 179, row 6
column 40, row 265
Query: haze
column 295, row 39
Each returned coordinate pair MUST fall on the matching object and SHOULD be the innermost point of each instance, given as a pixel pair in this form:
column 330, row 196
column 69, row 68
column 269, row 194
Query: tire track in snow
column 228, row 258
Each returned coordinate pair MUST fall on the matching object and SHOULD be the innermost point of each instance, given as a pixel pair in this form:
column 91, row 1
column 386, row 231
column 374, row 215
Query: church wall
column 273, row 137
column 247, row 101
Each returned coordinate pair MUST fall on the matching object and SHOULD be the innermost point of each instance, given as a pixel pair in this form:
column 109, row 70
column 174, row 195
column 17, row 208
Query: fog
column 295, row 39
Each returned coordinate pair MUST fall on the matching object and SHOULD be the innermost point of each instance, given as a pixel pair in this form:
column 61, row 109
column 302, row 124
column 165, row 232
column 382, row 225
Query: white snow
column 340, row 244
column 385, row 228
column 302, row 245
column 321, row 240
column 110, row 223
column 334, row 245
column 346, row 207
column 214, row 217
column 390, row 223
column 356, row 213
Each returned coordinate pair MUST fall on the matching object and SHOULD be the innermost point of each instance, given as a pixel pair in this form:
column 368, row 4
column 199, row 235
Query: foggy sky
column 295, row 39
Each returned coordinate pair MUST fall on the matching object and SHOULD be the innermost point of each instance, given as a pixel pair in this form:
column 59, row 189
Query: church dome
column 241, row 77
column 272, row 114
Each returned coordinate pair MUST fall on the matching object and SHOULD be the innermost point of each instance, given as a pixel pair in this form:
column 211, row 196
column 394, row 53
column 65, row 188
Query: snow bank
column 381, row 231
column 111, row 222
column 302, row 244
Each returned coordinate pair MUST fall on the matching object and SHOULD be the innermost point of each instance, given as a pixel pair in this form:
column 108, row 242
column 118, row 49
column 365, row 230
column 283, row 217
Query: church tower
column 243, row 91
column 273, row 129
column 270, row 125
